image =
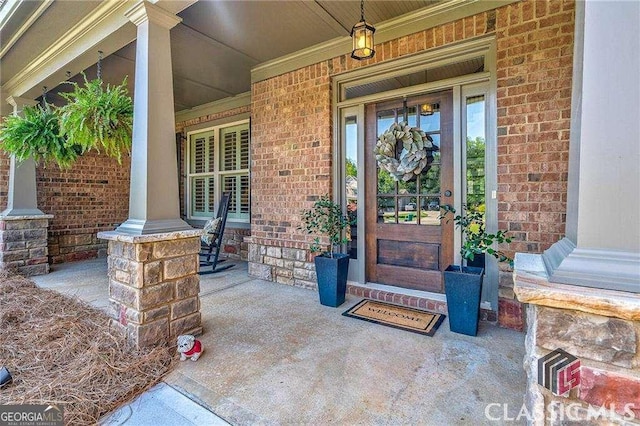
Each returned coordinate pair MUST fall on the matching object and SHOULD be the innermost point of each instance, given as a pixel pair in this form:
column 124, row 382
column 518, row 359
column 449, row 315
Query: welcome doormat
column 395, row 316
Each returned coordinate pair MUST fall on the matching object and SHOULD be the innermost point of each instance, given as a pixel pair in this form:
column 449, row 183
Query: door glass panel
column 431, row 122
column 430, row 181
column 387, row 210
column 407, row 187
column 412, row 116
column 385, row 119
column 408, row 210
column 475, row 154
column 386, row 183
column 415, row 201
column 351, row 181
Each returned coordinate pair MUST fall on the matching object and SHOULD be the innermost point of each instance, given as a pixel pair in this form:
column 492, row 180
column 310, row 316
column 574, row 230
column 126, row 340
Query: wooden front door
column 407, row 245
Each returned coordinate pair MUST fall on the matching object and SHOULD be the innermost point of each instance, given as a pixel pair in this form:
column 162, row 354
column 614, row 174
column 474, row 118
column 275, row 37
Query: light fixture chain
column 99, row 64
column 362, row 10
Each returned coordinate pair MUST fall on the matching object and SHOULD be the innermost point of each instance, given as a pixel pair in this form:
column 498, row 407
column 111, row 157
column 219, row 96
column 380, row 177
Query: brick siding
column 292, row 128
column 92, row 196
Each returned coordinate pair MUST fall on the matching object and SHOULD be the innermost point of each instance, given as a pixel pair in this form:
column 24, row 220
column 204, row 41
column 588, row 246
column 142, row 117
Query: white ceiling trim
column 76, row 45
column 428, row 17
column 24, row 27
column 226, row 104
column 105, row 19
column 7, row 11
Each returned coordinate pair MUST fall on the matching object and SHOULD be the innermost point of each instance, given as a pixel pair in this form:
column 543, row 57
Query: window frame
column 218, row 174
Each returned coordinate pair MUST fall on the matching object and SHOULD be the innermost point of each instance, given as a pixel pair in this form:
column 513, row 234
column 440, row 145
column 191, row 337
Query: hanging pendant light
column 426, row 109
column 362, row 35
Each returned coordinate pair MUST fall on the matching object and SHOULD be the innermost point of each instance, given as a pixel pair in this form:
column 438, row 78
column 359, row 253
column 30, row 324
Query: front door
column 407, row 244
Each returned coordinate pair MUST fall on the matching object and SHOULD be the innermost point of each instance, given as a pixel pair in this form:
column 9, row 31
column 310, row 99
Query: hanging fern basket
column 98, row 116
column 36, row 134
column 416, row 153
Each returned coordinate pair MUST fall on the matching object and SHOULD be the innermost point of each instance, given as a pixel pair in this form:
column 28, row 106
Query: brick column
column 23, row 244
column 154, row 285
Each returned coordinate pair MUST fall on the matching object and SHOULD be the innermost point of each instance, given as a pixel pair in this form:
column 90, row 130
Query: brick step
column 418, row 302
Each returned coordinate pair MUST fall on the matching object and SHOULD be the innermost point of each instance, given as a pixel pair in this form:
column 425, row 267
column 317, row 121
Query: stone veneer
column 285, row 265
column 23, row 244
column 600, row 327
column 154, row 285
column 295, row 266
column 233, row 243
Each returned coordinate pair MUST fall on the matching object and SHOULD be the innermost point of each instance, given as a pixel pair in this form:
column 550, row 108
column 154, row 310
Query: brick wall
column 535, row 54
column 92, row 196
column 292, row 122
column 291, row 153
column 4, row 182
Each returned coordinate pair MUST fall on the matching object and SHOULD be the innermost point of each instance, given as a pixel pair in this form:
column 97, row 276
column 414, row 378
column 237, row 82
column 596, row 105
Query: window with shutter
column 211, row 175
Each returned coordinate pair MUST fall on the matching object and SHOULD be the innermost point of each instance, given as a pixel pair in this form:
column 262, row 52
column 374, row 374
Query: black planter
column 463, row 298
column 477, row 262
column 332, row 278
column 5, row 377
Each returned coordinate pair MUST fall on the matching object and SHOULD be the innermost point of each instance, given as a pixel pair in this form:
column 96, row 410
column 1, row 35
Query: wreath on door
column 416, row 155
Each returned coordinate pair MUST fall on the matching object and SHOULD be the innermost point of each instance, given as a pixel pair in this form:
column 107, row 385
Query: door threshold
column 434, row 302
column 431, row 301
column 404, row 291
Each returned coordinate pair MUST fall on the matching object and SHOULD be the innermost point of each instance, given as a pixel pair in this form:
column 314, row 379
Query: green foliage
column 325, row 218
column 476, row 240
column 351, row 168
column 475, row 171
column 36, row 134
column 98, row 117
column 386, row 182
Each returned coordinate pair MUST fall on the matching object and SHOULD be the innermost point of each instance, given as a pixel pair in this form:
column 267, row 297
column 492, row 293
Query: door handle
column 447, row 193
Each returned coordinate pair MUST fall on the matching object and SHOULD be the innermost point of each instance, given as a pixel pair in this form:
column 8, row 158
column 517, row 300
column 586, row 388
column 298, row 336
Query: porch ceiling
column 213, row 49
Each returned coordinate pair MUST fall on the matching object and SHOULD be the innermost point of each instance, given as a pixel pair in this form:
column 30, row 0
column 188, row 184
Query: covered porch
column 273, row 355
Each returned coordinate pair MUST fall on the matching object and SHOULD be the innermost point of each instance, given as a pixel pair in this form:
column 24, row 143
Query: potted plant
column 463, row 284
column 95, row 117
column 36, row 134
column 326, row 219
column 98, row 117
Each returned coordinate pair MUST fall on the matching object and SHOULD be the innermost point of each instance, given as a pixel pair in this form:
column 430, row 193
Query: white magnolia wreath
column 416, row 155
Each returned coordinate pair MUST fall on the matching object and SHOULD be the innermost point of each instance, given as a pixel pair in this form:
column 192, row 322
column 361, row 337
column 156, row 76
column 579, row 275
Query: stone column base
column 601, row 328
column 154, row 285
column 23, row 244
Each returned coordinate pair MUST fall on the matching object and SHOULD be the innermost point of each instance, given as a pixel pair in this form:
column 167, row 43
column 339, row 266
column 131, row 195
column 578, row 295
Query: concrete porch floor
column 274, row 355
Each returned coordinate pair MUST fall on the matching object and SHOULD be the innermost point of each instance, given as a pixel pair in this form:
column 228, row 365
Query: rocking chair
column 211, row 241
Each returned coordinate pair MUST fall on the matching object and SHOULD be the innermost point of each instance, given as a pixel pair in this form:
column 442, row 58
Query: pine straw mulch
column 59, row 350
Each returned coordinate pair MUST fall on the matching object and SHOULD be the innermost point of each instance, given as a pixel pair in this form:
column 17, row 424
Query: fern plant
column 98, row 117
column 36, row 134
